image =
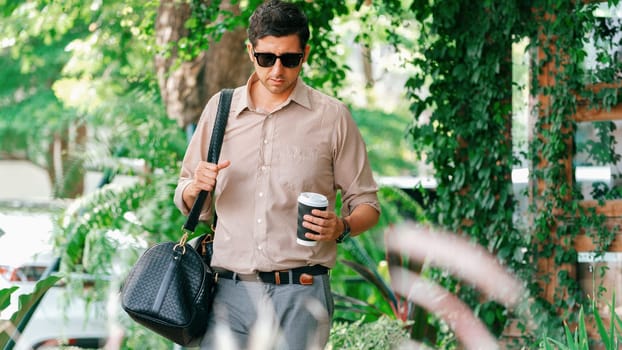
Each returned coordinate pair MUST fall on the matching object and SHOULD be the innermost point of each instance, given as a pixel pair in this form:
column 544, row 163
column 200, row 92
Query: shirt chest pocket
column 299, row 167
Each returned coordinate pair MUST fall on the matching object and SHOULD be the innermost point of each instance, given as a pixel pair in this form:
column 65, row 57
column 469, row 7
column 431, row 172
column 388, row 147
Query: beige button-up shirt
column 308, row 144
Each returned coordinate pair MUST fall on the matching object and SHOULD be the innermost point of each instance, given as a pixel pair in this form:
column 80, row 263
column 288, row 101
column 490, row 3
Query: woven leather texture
column 170, row 293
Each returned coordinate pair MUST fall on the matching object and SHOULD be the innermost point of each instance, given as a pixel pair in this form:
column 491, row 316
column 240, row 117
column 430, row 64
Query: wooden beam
column 588, row 114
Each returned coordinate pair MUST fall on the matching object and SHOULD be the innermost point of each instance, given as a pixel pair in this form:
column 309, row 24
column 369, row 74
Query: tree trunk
column 65, row 166
column 185, row 88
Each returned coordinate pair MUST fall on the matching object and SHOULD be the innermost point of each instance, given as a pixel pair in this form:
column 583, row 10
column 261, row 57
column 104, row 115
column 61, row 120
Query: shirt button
column 259, row 221
column 260, row 194
column 263, row 168
column 258, row 247
column 265, row 142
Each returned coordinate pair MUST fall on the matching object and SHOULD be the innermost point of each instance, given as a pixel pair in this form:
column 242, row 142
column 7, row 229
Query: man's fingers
column 223, row 164
column 321, row 232
column 321, row 213
column 313, row 236
column 206, row 173
column 314, row 219
column 211, row 168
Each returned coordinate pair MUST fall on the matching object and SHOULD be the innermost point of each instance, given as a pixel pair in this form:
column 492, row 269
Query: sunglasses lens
column 291, row 60
column 265, row 59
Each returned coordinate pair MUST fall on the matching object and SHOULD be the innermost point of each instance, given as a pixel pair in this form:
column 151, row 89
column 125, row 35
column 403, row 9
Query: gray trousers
column 262, row 316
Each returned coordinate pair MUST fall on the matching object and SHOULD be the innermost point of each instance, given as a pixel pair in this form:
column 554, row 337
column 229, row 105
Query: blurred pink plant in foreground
column 465, row 260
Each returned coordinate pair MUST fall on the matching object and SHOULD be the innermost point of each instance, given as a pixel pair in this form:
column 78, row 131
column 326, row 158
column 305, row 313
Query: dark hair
column 277, row 18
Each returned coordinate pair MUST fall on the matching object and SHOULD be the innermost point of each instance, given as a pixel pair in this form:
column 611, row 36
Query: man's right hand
column 204, row 179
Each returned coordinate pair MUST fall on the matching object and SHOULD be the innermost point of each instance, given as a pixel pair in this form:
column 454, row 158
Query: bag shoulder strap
column 218, row 133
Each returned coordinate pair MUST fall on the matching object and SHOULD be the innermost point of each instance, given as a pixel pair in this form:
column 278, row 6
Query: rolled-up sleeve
column 353, row 175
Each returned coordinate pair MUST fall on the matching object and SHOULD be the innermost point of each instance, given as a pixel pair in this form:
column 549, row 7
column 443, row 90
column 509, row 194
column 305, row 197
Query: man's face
column 277, row 78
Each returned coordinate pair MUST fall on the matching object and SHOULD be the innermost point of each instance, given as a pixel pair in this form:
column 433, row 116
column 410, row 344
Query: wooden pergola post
column 548, row 270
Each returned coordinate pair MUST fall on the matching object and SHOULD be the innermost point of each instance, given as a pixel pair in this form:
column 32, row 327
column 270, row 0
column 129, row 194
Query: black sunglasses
column 289, row 60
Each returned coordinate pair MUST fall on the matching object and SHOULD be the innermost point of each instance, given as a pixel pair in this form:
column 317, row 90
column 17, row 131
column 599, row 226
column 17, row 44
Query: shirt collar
column 299, row 95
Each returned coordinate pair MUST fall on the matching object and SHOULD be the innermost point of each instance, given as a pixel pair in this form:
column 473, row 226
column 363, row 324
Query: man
column 282, row 138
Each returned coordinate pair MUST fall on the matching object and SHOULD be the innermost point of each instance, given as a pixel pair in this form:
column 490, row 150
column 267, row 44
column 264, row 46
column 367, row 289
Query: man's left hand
column 326, row 223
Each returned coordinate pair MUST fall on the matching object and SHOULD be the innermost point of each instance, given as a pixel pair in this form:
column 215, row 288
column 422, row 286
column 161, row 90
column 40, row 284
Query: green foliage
column 140, row 211
column 465, row 72
column 326, row 71
column 5, row 297
column 461, row 103
column 355, row 294
column 65, row 61
column 26, row 303
column 361, row 279
column 384, row 333
column 141, row 131
column 26, row 100
column 140, row 337
column 556, row 128
column 389, row 154
column 610, row 337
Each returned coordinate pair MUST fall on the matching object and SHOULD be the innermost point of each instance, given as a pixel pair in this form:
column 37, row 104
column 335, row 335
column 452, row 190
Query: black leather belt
column 300, row 275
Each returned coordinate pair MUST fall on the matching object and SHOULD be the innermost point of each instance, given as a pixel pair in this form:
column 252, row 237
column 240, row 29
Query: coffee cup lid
column 313, row 199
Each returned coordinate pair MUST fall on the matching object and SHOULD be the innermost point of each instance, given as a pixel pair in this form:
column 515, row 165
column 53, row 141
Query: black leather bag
column 170, row 288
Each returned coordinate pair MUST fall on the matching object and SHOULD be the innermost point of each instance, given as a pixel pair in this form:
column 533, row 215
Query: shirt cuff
column 178, row 198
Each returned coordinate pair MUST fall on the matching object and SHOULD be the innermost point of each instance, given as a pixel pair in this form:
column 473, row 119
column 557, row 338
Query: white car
column 25, row 256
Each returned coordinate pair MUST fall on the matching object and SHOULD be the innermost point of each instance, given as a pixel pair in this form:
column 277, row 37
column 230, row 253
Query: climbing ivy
column 558, row 216
column 461, row 102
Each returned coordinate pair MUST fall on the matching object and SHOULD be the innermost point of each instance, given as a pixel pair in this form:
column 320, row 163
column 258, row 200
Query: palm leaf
column 26, row 303
column 5, row 297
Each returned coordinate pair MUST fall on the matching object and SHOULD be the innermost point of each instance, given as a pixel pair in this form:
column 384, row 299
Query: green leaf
column 583, row 336
column 356, row 305
column 560, row 345
column 606, row 337
column 5, row 297
column 375, row 279
column 25, row 303
column 570, row 339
